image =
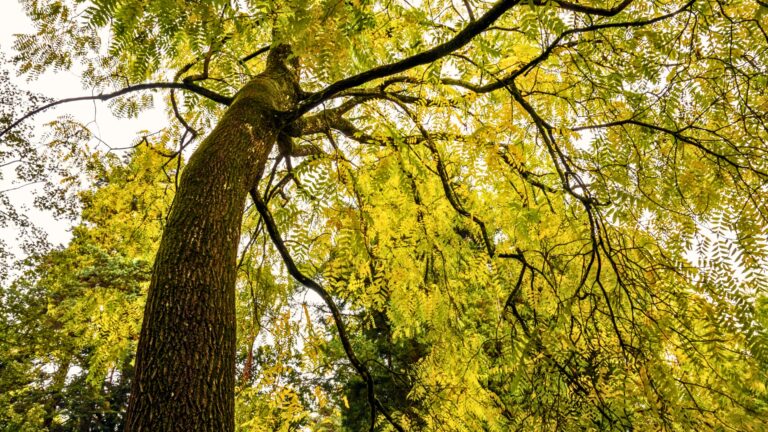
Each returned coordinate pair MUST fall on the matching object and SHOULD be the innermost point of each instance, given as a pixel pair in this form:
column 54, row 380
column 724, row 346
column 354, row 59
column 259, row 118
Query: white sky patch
column 96, row 115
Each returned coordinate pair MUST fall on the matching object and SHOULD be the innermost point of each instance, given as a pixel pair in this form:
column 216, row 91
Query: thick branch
column 462, row 38
column 501, row 83
column 326, row 119
column 590, row 10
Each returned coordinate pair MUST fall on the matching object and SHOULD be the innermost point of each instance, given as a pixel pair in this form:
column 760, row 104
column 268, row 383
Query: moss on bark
column 185, row 363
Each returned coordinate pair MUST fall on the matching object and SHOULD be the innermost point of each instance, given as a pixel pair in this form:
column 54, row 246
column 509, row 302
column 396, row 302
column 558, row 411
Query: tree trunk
column 185, row 362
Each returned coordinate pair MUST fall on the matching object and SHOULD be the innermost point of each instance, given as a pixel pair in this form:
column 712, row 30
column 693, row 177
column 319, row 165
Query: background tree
column 71, row 320
column 495, row 203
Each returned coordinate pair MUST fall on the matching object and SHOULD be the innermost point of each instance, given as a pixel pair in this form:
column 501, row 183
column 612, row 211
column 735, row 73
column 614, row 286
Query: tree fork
column 185, row 362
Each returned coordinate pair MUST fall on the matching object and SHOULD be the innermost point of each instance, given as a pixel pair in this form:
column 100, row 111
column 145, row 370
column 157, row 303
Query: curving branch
column 678, row 135
column 461, row 39
column 202, row 91
column 590, row 10
column 507, row 80
column 346, row 87
column 308, row 282
column 325, row 119
column 450, row 193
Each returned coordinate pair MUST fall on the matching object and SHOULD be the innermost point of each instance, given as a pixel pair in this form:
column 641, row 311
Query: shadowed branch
column 308, row 282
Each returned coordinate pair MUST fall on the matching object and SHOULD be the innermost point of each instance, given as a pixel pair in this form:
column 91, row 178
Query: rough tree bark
column 185, row 363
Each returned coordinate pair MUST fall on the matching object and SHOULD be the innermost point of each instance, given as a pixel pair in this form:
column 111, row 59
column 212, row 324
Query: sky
column 115, row 132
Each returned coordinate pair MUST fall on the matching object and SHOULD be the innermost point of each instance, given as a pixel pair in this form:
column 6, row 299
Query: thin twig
column 216, row 97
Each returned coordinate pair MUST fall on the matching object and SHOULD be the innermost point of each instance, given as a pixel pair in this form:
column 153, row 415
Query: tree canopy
column 510, row 215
